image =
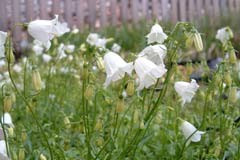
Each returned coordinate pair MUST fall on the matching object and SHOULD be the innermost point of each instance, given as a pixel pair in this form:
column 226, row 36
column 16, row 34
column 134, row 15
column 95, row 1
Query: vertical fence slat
column 174, row 10
column 30, row 15
column 191, row 9
column 216, row 8
column 165, row 9
column 124, row 10
column 43, row 9
column 16, row 19
column 134, row 6
column 103, row 18
column 55, row 6
column 155, row 9
column 209, row 8
column 182, row 5
column 80, row 14
column 113, row 12
column 92, row 13
column 223, row 5
column 144, row 8
column 237, row 5
column 68, row 8
column 231, row 5
column 3, row 16
column 199, row 6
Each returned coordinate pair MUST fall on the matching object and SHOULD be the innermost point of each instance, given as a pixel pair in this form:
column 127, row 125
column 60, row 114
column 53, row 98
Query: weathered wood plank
column 144, row 9
column 182, row 6
column 124, row 10
column 103, row 15
column 199, row 7
column 216, row 8
column 43, row 9
column 134, row 8
column 68, row 11
column 231, row 5
column 15, row 20
column 165, row 9
column 30, row 14
column 113, row 12
column 92, row 13
column 192, row 10
column 155, row 8
column 56, row 9
column 174, row 10
column 3, row 16
column 80, row 14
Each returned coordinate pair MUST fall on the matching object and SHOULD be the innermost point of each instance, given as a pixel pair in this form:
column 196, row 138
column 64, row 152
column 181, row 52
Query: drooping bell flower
column 7, row 119
column 189, row 131
column 148, row 72
column 186, row 90
column 224, row 34
column 156, row 35
column 43, row 30
column 61, row 28
column 154, row 53
column 116, row 67
column 3, row 37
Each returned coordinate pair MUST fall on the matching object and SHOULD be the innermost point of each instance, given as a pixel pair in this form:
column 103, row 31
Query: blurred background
column 125, row 20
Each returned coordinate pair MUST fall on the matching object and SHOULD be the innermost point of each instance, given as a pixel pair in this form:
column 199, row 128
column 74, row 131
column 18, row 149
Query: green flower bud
column 198, row 42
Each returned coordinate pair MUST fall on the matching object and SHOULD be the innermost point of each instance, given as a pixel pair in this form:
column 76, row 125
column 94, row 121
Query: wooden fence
column 99, row 13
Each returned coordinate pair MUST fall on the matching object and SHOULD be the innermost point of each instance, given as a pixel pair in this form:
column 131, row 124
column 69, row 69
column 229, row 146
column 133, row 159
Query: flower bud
column 233, row 95
column 10, row 131
column 142, row 126
column 21, row 154
column 135, row 116
column 89, row 92
column 100, row 141
column 24, row 136
column 13, row 97
column 100, row 63
column 189, row 40
column 83, row 47
column 67, row 122
column 120, row 106
column 9, row 51
column 228, row 79
column 98, row 126
column 130, row 88
column 7, row 103
column 85, row 72
column 232, row 57
column 42, row 157
column 198, row 42
column 36, row 80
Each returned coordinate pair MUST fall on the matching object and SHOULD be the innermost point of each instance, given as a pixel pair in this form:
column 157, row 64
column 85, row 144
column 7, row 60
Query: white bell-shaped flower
column 3, row 37
column 224, row 34
column 155, row 53
column 148, row 72
column 43, row 30
column 3, row 150
column 116, row 48
column 7, row 119
column 116, row 67
column 92, row 38
column 156, row 34
column 62, row 28
column 189, row 130
column 186, row 90
column 46, row 58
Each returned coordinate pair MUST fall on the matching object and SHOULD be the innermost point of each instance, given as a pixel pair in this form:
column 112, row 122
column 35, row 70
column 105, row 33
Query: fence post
column 92, row 13
column 124, row 10
column 68, row 10
column 134, row 6
column 113, row 12
column 174, row 10
column 43, row 9
column 216, row 8
column 55, row 7
column 3, row 16
column 165, row 10
column 191, row 10
column 182, row 6
column 80, row 14
column 155, row 9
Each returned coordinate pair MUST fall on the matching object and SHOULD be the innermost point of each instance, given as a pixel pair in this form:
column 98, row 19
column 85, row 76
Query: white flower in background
column 116, row 67
column 156, row 34
column 62, row 28
column 70, row 57
column 2, row 63
column 186, row 90
column 17, row 68
column 46, row 58
column 154, row 53
column 224, row 34
column 3, row 150
column 69, row 48
column 116, row 48
column 61, row 51
column 43, row 30
column 75, row 30
column 7, row 119
column 189, row 130
column 148, row 72
column 94, row 40
column 39, row 47
column 124, row 94
column 3, row 37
